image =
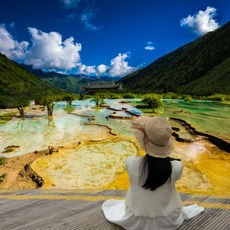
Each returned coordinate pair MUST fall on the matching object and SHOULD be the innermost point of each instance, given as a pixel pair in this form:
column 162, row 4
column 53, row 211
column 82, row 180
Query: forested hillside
column 201, row 67
column 18, row 84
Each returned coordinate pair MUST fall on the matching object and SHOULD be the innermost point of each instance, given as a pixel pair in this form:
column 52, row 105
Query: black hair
column 154, row 171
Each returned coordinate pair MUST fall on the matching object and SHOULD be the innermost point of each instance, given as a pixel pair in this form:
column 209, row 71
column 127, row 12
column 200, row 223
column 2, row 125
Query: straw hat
column 154, row 135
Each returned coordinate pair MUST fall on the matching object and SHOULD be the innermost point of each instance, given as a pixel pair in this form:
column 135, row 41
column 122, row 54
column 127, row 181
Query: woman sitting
column 152, row 201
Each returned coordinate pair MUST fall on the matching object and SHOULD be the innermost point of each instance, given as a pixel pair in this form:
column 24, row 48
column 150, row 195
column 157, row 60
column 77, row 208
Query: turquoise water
column 38, row 132
column 205, row 116
column 120, row 127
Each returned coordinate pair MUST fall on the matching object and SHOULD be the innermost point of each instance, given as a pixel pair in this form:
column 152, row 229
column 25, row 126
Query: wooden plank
column 49, row 214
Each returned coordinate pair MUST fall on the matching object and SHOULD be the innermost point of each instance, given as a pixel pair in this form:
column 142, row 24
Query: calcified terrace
column 92, row 152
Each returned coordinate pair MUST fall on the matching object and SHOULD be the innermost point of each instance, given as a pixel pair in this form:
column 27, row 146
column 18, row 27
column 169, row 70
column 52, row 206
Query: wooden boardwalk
column 76, row 209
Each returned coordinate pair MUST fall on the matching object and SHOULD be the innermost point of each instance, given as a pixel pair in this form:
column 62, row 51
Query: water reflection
column 33, row 134
column 37, row 132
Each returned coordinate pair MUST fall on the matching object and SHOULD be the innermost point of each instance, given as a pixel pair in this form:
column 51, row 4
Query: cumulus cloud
column 69, row 4
column 102, row 69
column 149, row 46
column 11, row 48
column 88, row 70
column 120, row 67
column 86, row 19
column 201, row 22
column 48, row 51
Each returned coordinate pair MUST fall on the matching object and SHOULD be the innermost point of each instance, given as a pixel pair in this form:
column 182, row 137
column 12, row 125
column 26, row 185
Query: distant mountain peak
column 71, row 83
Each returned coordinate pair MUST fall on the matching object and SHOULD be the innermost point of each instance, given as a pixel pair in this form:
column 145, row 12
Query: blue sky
column 103, row 37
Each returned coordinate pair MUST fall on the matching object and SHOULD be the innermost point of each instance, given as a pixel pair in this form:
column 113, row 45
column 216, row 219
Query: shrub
column 188, row 98
column 84, row 96
column 170, row 95
column 69, row 108
column 129, row 95
column 2, row 160
column 227, row 97
column 10, row 148
column 218, row 97
column 153, row 101
column 115, row 96
column 2, row 177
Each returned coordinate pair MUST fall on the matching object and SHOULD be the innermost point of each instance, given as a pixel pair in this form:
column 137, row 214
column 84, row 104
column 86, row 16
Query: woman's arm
column 177, row 169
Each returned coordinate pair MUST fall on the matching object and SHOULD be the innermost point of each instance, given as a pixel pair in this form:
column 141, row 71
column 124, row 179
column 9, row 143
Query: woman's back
column 159, row 202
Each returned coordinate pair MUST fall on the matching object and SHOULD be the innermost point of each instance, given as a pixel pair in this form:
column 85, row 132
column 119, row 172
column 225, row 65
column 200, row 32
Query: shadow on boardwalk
column 75, row 209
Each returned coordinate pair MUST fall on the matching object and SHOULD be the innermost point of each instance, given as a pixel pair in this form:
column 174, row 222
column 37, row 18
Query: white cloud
column 201, row 22
column 149, row 46
column 48, row 51
column 93, row 70
column 11, row 48
column 102, row 69
column 120, row 67
column 86, row 19
column 88, row 70
column 68, row 4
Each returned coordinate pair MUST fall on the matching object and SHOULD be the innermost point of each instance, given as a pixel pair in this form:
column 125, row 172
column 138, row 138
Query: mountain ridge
column 17, row 83
column 71, row 83
column 175, row 71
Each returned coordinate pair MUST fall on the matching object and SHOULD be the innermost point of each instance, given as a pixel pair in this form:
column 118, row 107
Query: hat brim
column 149, row 147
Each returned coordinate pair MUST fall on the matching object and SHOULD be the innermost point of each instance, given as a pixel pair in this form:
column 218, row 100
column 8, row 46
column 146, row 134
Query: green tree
column 14, row 102
column 21, row 99
column 20, row 104
column 99, row 101
column 153, row 101
column 68, row 98
column 49, row 102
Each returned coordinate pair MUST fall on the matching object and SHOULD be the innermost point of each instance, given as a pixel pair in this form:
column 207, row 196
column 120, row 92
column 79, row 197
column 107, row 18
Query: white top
column 134, row 213
column 165, row 199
